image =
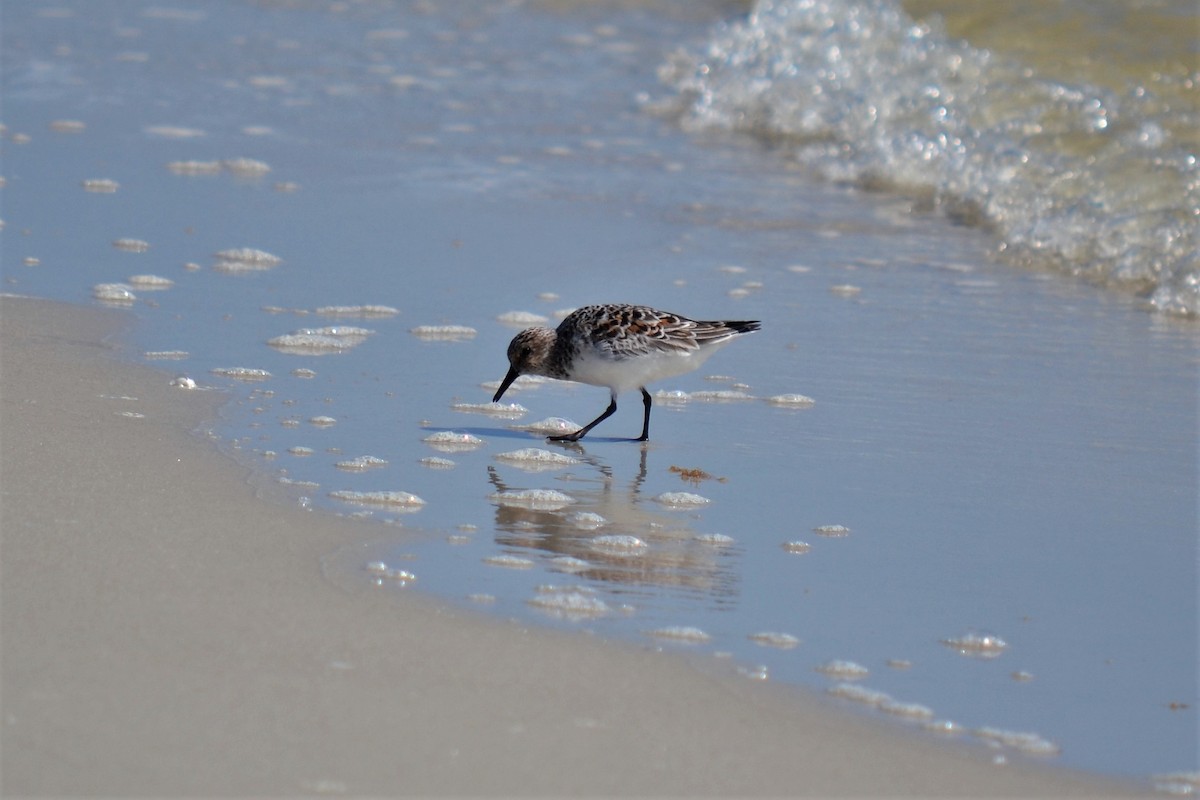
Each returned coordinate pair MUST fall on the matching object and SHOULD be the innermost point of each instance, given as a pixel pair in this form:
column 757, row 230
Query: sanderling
column 619, row 346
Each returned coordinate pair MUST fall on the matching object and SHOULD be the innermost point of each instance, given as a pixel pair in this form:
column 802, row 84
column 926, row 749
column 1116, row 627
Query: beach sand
column 167, row 630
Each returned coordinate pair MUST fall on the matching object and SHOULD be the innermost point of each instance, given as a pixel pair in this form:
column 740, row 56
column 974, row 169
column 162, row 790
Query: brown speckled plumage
column 619, row 346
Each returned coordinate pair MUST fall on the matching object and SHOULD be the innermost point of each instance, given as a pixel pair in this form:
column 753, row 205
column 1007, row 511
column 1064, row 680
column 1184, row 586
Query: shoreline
column 167, row 631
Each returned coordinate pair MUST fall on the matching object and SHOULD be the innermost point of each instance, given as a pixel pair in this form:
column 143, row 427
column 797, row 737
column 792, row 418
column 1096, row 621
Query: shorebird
column 619, row 346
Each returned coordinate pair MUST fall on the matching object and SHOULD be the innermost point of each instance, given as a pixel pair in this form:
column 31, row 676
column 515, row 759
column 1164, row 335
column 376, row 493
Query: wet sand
column 167, row 630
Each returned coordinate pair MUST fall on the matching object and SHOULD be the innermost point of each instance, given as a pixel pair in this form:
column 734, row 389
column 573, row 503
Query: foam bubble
column 269, row 82
column 832, row 531
column 720, row 396
column 618, row 544
column 381, row 571
column 357, row 311
column 245, row 259
column 446, row 333
column 784, row 641
column 434, row 462
column 392, row 499
column 681, row 500
column 151, row 282
column 174, row 131
column 977, row 645
column 361, row 464
column 568, row 564
column 843, row 670
column 194, row 167
column 551, row 426
column 1030, row 743
column 1182, row 784
column 680, row 633
column 100, row 185
column 500, row 410
column 756, row 673
column 798, row 547
column 522, row 382
column 242, row 373
column 246, row 167
column 509, row 562
column 538, row 499
column 521, row 318
column 114, row 293
column 945, row 727
column 452, row 441
column 67, row 126
column 316, row 341
column 131, row 245
column 533, row 458
column 404, row 82
column 568, row 602
column 793, row 400
column 860, row 694
column 587, row 520
column 907, row 710
column 672, row 396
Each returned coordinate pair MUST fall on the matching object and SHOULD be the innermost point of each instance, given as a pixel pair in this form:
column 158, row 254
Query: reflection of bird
column 676, row 556
column 619, row 346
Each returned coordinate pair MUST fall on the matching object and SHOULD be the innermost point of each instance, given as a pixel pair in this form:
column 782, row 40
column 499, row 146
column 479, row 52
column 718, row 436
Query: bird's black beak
column 508, row 379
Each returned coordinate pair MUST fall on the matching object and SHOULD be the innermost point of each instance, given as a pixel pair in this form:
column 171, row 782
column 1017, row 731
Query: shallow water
column 1006, row 452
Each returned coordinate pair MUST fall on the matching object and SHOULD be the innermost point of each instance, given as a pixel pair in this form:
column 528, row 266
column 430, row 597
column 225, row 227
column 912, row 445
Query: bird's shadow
column 509, row 433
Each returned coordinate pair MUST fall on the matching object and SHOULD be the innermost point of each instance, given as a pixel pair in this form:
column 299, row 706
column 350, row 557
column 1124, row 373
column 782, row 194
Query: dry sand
column 167, row 631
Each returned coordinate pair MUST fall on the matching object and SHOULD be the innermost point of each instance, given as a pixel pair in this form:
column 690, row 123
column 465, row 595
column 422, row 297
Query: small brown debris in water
column 695, row 475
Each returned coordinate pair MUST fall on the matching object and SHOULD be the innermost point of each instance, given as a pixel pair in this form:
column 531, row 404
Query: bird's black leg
column 647, row 402
column 579, row 434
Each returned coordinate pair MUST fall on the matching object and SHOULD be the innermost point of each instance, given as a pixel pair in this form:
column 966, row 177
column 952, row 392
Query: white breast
column 630, row 373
